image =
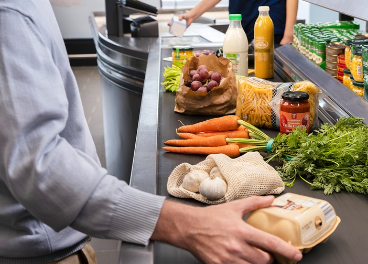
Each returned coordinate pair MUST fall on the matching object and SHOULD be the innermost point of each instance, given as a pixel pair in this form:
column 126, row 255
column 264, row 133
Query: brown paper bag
column 221, row 100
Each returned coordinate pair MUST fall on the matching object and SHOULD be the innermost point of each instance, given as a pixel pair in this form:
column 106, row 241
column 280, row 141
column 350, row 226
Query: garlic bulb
column 216, row 173
column 213, row 188
column 193, row 179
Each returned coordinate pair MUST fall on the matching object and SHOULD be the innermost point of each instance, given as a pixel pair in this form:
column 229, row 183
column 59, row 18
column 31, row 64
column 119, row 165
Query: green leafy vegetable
column 333, row 158
column 171, row 78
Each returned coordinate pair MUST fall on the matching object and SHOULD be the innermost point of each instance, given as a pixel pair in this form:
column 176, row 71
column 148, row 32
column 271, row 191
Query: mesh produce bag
column 245, row 176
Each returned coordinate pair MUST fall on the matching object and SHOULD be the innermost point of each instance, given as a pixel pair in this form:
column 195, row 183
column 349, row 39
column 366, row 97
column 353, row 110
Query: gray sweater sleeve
column 54, row 179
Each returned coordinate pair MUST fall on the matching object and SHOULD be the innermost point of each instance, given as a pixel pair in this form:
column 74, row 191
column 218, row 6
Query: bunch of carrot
column 210, row 137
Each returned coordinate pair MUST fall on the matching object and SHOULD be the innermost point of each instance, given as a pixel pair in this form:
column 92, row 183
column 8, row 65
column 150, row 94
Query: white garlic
column 216, row 173
column 193, row 179
column 213, row 188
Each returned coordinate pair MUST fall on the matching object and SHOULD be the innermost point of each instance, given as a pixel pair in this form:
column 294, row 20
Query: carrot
column 229, row 150
column 214, row 141
column 242, row 145
column 228, row 134
column 223, row 123
column 188, row 135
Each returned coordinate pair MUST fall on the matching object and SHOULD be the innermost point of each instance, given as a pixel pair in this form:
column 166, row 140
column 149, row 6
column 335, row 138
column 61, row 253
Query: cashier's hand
column 187, row 16
column 217, row 234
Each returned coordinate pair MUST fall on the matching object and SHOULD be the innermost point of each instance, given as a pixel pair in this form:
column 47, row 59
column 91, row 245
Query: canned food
column 340, row 76
column 335, row 48
column 340, row 67
column 347, row 53
column 341, row 58
column 320, row 52
column 331, row 58
column 331, row 65
column 332, row 72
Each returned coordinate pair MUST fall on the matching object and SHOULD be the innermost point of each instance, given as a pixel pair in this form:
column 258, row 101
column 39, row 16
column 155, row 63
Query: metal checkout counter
column 132, row 69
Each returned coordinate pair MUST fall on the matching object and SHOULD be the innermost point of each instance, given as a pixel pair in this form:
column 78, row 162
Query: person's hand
column 187, row 16
column 287, row 38
column 218, row 234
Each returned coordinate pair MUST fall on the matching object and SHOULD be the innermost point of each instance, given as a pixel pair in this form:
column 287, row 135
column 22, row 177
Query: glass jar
column 347, row 54
column 358, row 88
column 180, row 54
column 294, row 111
column 357, row 64
column 346, row 79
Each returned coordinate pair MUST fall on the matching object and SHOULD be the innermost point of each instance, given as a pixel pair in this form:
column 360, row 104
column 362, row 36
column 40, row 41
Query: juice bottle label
column 290, row 121
column 235, row 61
column 261, row 45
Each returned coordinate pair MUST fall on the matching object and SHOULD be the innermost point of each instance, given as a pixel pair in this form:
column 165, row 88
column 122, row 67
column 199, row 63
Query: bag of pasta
column 259, row 100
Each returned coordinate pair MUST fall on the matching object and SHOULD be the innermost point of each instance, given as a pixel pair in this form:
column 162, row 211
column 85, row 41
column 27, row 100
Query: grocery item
column 346, row 78
column 332, row 158
column 335, row 48
column 302, row 221
column 347, row 53
column 245, row 176
column 193, row 179
column 212, row 99
column 332, row 72
column 358, row 88
column 365, row 87
column 171, row 78
column 341, row 59
column 213, row 188
column 294, row 111
column 259, row 100
column 263, row 44
column 235, row 45
column 365, row 59
column 356, row 66
column 223, row 123
column 340, row 76
column 180, row 54
column 203, row 80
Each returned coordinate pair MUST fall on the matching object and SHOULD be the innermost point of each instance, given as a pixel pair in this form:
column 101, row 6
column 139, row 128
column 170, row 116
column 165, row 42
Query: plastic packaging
column 263, row 44
column 302, row 221
column 235, row 45
column 258, row 101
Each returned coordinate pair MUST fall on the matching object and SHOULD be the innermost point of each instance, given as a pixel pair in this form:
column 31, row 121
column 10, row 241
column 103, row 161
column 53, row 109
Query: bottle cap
column 235, row 17
column 264, row 8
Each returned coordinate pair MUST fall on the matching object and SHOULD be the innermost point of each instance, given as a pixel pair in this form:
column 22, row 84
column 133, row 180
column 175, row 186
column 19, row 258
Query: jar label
column 290, row 121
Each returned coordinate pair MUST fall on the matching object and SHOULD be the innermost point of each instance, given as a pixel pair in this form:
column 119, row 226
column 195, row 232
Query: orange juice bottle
column 263, row 44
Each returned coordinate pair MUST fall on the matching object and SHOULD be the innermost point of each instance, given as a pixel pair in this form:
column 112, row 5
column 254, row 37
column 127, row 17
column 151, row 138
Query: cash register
column 118, row 22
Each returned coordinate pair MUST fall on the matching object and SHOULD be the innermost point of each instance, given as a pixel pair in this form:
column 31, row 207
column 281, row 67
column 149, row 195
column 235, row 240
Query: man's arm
column 218, row 234
column 291, row 12
column 198, row 10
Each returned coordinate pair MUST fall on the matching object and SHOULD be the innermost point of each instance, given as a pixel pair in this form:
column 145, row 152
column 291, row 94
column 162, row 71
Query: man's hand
column 218, row 234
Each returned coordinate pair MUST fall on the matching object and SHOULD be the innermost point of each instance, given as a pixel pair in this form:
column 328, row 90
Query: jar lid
column 335, row 45
column 295, row 96
column 263, row 8
column 182, row 48
column 351, row 77
column 235, row 17
column 347, row 71
column 359, row 84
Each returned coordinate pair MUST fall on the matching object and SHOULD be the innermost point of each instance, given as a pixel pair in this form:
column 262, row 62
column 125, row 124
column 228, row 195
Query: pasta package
column 258, row 100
